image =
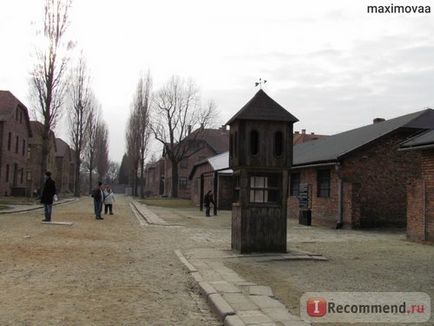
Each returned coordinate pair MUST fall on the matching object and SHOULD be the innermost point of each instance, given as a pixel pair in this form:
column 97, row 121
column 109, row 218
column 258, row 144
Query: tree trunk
column 77, row 189
column 174, row 179
column 142, row 179
column 44, row 156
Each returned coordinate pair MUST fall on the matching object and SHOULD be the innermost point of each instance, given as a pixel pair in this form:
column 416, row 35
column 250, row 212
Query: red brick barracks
column 381, row 174
column 20, row 151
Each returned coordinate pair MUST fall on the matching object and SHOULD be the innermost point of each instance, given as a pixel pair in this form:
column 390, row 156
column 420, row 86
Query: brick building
column 303, row 137
column 420, row 190
column 213, row 174
column 64, row 172
column 358, row 178
column 34, row 157
column 154, row 176
column 201, row 143
column 15, row 132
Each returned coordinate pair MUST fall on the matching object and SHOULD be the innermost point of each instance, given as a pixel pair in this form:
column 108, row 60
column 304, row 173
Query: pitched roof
column 217, row 139
column 420, row 141
column 63, row 148
column 334, row 147
column 217, row 163
column 263, row 107
column 8, row 104
column 300, row 138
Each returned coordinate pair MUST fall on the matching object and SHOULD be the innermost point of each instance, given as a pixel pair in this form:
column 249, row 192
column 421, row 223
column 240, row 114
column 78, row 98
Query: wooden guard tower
column 260, row 155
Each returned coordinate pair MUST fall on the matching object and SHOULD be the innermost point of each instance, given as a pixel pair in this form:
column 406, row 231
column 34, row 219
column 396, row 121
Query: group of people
column 103, row 195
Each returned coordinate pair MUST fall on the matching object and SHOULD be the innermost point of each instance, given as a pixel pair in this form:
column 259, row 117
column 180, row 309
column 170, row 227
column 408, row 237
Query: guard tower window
column 323, row 183
column 264, row 189
column 278, row 143
column 254, row 142
column 236, row 180
column 294, row 184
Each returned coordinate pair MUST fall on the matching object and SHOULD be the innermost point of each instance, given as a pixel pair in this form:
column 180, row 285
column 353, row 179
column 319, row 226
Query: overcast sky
column 329, row 63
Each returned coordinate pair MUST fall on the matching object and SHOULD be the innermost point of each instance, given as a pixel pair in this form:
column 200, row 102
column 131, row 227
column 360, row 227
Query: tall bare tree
column 133, row 150
column 101, row 150
column 177, row 109
column 141, row 115
column 91, row 132
column 47, row 83
column 78, row 116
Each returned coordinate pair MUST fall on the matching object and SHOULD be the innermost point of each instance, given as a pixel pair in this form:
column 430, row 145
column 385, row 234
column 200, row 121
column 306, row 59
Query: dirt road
column 110, row 272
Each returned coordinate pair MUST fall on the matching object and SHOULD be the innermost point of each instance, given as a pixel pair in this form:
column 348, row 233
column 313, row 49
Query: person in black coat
column 208, row 200
column 47, row 196
column 98, row 199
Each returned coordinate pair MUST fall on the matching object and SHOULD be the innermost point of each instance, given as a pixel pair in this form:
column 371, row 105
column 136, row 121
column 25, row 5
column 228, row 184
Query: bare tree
column 133, row 150
column 78, row 116
column 92, row 124
column 101, row 150
column 112, row 176
column 47, row 84
column 141, row 114
column 177, row 109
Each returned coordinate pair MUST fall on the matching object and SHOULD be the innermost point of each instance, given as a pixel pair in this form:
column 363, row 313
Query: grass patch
column 5, row 201
column 168, row 203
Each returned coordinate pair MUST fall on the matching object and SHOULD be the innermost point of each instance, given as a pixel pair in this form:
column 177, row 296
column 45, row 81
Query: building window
column 254, row 142
column 17, row 144
column 21, row 116
column 24, row 147
column 9, row 141
column 28, row 152
column 29, row 176
column 182, row 183
column 278, row 143
column 17, row 112
column 7, row 172
column 323, row 183
column 22, row 176
column 294, row 184
column 264, row 189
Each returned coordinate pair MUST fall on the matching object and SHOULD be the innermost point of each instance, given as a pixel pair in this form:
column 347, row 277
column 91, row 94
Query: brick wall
column 420, row 201
column 13, row 156
column 374, row 186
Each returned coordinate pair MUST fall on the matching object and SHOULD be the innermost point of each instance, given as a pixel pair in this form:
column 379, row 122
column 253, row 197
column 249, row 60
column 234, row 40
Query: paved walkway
column 27, row 208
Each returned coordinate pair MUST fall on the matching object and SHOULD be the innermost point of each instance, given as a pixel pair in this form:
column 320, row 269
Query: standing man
column 208, row 200
column 47, row 196
column 98, row 198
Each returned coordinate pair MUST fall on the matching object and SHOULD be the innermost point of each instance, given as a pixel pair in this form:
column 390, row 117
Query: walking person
column 208, row 200
column 48, row 196
column 109, row 198
column 98, row 198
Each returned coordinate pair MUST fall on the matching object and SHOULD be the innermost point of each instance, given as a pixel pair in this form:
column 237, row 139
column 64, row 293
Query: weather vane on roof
column 260, row 83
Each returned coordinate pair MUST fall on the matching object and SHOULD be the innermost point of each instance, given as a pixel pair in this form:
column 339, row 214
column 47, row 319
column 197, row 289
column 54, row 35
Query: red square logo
column 316, row 307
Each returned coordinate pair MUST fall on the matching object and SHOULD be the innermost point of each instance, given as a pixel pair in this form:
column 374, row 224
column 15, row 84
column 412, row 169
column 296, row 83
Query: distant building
column 15, row 133
column 154, row 178
column 202, row 143
column 420, row 190
column 64, row 167
column 303, row 137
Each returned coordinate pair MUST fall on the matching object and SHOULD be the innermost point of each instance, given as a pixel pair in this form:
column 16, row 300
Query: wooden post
column 216, row 197
column 201, row 191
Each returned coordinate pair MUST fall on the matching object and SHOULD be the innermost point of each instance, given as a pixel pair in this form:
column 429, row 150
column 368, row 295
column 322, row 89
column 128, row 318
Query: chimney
column 189, row 129
column 312, row 133
column 303, row 131
column 202, row 126
column 378, row 120
column 223, row 128
column 297, row 132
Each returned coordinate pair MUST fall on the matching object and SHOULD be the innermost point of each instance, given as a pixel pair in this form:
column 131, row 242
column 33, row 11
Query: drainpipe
column 340, row 220
column 425, row 224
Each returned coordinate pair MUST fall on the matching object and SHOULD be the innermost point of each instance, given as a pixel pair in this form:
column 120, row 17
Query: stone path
column 236, row 301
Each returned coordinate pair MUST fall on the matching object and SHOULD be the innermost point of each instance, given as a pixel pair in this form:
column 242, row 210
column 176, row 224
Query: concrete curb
column 233, row 320
column 206, row 289
column 181, row 257
column 63, row 202
column 220, row 306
